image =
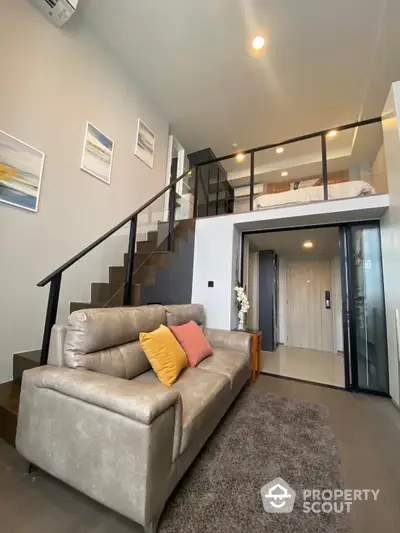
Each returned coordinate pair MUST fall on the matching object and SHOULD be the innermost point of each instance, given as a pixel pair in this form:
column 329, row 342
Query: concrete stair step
column 79, row 306
column 149, row 246
column 9, row 405
column 152, row 236
column 112, row 294
column 144, row 276
column 25, row 360
column 159, row 259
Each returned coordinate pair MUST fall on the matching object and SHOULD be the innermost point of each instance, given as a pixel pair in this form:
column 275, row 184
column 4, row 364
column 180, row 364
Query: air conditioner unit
column 57, row 11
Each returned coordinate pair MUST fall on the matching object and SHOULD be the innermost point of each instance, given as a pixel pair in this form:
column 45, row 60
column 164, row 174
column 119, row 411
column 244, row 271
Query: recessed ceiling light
column 308, row 244
column 258, row 42
column 240, row 157
column 284, row 173
column 280, row 149
column 332, row 133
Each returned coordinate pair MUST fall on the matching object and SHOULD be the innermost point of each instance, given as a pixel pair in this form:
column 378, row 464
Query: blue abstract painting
column 21, row 168
column 97, row 157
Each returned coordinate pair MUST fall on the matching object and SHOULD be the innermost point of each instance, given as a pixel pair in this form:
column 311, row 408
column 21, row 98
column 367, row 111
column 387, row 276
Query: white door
column 309, row 322
column 176, row 162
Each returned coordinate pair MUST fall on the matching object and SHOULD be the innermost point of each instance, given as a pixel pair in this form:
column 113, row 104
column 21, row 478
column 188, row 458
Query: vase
column 241, row 324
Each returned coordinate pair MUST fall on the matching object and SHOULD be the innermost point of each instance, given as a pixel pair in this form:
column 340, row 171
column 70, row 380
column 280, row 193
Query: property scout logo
column 279, row 497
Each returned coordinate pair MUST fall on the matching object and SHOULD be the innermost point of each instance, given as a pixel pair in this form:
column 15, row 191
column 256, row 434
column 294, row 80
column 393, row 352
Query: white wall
column 52, row 82
column 379, row 172
column 214, row 260
column 390, row 230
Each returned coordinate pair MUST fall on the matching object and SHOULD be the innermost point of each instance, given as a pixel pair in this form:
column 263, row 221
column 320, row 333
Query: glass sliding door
column 367, row 320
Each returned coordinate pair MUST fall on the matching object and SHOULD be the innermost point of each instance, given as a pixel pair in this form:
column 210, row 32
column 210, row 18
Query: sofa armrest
column 137, row 401
column 231, row 340
column 113, row 439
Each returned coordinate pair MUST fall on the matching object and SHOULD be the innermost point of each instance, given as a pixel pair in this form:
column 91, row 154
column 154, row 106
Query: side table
column 256, row 337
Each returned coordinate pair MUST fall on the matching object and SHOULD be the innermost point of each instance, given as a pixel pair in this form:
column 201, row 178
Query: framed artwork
column 145, row 144
column 98, row 153
column 21, row 169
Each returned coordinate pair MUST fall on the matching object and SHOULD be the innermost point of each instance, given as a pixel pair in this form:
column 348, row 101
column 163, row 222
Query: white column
column 390, row 225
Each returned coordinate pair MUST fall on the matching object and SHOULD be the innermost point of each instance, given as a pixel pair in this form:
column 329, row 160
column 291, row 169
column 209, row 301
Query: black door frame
column 349, row 306
column 348, row 300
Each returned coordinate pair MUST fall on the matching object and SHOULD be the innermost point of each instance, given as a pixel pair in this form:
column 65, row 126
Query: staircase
column 159, row 276
column 9, row 394
column 151, row 257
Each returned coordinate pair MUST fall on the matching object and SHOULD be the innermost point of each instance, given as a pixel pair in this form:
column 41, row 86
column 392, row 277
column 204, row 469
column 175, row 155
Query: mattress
column 346, row 189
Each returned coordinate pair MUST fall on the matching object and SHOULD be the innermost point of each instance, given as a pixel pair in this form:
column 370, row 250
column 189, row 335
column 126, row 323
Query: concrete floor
column 367, row 429
column 305, row 364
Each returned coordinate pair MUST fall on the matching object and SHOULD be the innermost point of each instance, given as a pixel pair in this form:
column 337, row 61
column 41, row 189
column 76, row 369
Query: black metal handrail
column 321, row 133
column 101, row 239
column 55, row 277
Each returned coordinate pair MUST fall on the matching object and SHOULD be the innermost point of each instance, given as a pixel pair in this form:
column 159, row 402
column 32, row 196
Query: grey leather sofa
column 98, row 418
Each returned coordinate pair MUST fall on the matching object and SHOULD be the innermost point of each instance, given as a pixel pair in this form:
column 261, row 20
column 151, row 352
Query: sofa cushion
column 193, row 341
column 106, row 340
column 229, row 363
column 165, row 354
column 182, row 314
column 202, row 394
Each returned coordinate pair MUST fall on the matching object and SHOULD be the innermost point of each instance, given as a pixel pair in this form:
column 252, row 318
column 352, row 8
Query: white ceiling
column 289, row 243
column 326, row 63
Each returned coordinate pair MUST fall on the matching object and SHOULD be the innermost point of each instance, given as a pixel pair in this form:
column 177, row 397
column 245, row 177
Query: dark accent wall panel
column 174, row 283
column 267, row 299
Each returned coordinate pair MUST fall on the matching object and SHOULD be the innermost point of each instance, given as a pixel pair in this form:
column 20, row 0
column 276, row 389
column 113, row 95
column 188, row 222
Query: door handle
column 327, row 299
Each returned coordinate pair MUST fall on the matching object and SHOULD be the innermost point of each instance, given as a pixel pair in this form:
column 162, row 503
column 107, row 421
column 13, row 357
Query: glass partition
column 356, row 162
column 288, row 174
column 369, row 304
column 293, row 173
column 214, row 192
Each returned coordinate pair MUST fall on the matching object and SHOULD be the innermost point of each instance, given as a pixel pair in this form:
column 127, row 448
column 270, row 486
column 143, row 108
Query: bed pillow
column 193, row 341
column 164, row 353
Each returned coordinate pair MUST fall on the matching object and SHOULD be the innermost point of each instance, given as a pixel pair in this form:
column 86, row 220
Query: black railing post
column 208, row 188
column 324, row 166
column 131, row 262
column 171, row 219
column 196, row 194
column 51, row 317
column 251, row 181
column 217, row 197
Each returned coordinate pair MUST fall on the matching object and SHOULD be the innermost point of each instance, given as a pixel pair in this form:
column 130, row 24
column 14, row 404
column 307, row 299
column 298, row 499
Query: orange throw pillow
column 193, row 341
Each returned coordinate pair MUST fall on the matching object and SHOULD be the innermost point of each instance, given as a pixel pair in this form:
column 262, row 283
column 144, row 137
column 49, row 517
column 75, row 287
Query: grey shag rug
column 262, row 437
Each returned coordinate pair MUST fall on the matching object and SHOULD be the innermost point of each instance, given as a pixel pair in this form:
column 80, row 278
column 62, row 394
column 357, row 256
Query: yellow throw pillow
column 164, row 353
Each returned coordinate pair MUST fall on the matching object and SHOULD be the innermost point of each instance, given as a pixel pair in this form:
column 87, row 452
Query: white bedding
column 346, row 189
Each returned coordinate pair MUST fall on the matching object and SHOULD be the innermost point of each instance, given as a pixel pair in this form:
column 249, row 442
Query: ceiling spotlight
column 332, row 133
column 258, row 42
column 308, row 244
column 283, row 174
column 280, row 149
column 240, row 157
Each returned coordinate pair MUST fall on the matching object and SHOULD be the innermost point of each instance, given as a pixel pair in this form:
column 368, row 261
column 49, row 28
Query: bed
column 336, row 191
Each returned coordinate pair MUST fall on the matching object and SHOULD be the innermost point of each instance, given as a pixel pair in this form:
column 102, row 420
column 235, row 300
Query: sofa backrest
column 181, row 314
column 106, row 340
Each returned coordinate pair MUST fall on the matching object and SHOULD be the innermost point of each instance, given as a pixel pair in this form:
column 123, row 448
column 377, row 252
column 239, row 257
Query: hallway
column 302, row 363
